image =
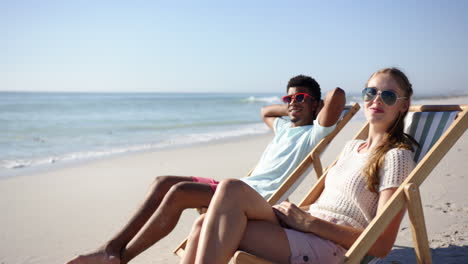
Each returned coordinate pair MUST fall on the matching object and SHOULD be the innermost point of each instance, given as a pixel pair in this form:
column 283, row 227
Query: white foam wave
column 269, row 100
column 194, row 138
column 253, row 129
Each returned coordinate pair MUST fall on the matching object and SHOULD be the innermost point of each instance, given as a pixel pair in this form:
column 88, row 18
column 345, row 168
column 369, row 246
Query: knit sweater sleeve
column 398, row 164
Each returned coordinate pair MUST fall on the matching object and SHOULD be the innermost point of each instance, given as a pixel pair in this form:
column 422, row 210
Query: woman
column 357, row 187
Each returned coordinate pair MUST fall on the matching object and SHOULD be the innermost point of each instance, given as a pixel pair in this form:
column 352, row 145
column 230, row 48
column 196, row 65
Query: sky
column 230, row 46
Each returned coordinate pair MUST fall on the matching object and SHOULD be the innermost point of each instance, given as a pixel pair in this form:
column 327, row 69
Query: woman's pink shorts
column 309, row 248
column 211, row 182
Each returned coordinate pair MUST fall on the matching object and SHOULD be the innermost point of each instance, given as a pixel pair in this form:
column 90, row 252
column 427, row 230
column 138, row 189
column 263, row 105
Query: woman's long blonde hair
column 394, row 137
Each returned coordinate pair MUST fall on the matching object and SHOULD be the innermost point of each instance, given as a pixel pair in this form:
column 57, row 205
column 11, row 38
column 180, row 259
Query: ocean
column 52, row 128
column 47, row 129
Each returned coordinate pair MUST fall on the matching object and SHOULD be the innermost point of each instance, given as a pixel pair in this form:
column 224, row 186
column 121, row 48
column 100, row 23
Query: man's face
column 302, row 114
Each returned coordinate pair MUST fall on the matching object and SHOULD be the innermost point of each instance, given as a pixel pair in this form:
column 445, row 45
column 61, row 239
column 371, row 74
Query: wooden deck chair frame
column 407, row 195
column 313, row 158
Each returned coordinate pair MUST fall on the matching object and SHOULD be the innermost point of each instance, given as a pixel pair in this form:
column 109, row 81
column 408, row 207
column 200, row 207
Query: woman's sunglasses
column 299, row 97
column 388, row 97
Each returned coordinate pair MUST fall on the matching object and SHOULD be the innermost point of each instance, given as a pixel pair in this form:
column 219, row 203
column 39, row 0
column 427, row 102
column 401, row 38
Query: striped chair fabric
column 426, row 128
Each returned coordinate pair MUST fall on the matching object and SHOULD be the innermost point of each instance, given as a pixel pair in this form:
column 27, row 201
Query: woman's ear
column 406, row 105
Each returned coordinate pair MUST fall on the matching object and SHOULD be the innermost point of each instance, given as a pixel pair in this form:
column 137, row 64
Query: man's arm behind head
column 332, row 108
column 270, row 112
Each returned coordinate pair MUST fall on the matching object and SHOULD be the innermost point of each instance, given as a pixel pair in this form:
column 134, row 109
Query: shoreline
column 52, row 166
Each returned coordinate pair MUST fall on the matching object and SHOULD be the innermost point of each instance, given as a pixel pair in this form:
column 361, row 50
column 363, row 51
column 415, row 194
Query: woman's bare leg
column 192, row 242
column 111, row 251
column 226, row 221
column 266, row 240
column 181, row 196
column 261, row 238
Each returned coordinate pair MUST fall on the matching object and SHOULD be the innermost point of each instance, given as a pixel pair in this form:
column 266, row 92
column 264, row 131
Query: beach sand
column 51, row 216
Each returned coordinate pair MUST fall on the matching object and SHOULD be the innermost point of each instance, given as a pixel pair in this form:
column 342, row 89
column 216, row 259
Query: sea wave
column 176, row 141
column 192, row 124
column 269, row 100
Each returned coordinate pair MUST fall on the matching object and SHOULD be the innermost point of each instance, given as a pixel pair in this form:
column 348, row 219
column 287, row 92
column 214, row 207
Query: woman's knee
column 232, row 187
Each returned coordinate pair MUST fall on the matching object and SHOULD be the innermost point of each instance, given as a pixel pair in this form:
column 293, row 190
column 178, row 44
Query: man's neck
column 299, row 124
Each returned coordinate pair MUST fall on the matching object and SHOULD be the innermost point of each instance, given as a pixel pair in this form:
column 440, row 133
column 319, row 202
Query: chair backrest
column 426, row 128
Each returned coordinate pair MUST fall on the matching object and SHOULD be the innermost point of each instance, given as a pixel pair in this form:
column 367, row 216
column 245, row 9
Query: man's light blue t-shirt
column 282, row 156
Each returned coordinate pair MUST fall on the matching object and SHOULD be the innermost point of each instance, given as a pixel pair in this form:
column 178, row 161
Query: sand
column 51, row 216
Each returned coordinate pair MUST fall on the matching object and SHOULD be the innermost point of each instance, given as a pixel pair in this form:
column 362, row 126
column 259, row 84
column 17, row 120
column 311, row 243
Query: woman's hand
column 291, row 216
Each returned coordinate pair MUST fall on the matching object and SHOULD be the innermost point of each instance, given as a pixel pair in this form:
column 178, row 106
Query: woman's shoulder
column 400, row 152
column 398, row 164
column 399, row 155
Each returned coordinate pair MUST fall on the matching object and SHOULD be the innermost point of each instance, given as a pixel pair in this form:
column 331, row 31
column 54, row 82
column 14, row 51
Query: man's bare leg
column 110, row 252
column 180, row 197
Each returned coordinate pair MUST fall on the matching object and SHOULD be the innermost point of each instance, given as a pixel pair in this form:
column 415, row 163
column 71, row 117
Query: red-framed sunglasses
column 299, row 97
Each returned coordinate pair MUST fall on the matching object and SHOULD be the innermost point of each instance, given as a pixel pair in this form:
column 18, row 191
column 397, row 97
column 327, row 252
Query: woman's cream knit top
column 346, row 196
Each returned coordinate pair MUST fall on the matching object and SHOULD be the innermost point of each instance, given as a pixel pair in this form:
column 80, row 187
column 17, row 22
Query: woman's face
column 377, row 112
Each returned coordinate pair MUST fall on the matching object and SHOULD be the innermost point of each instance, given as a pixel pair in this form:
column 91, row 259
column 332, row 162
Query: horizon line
column 422, row 96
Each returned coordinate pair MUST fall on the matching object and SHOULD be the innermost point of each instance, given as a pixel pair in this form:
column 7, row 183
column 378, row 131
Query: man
column 310, row 121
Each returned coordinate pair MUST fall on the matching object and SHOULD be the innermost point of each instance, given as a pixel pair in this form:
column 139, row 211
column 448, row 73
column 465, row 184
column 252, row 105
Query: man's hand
column 333, row 106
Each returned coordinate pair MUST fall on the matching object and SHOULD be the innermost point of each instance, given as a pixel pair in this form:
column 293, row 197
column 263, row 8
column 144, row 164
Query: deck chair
column 300, row 173
column 436, row 128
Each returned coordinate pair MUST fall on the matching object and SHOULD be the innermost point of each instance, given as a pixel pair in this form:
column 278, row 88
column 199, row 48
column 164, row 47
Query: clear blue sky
column 230, row 46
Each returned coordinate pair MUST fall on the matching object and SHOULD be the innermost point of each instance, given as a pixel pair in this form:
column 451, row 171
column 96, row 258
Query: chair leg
column 418, row 225
column 180, row 250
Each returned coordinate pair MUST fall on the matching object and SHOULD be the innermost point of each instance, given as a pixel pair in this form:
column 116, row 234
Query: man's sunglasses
column 388, row 97
column 299, row 97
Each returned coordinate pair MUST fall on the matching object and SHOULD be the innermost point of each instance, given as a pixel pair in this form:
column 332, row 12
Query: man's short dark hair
column 307, row 82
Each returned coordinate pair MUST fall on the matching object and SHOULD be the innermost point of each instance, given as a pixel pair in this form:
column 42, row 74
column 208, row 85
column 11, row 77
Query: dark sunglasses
column 388, row 97
column 299, row 97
